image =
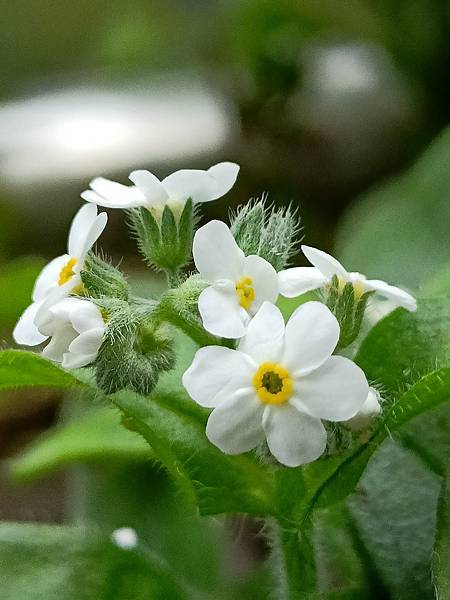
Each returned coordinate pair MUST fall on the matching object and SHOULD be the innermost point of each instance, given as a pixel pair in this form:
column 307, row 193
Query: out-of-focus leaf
column 441, row 553
column 16, row 282
column 400, row 232
column 97, row 436
column 406, row 345
column 395, row 511
column 21, row 369
column 51, row 562
column 438, row 285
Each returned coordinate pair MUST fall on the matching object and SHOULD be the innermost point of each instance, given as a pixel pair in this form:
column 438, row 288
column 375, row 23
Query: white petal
column 225, row 175
column 400, row 297
column 235, row 425
column 294, row 438
column 216, row 254
column 220, row 311
column 299, row 280
column 265, row 334
column 326, row 264
column 59, row 343
column 150, row 186
column 216, row 371
column 312, row 334
column 88, row 342
column 85, row 230
column 369, row 410
column 113, row 195
column 190, row 183
column 85, row 315
column 265, row 280
column 25, row 332
column 47, row 279
column 335, row 391
column 76, row 361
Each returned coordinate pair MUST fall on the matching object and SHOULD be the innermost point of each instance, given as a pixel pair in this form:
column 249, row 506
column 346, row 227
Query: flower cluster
column 270, row 383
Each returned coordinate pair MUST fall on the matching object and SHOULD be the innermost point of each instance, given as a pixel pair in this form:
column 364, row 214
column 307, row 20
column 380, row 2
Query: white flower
column 278, row 385
column 61, row 276
column 370, row 409
column 298, row 280
column 240, row 284
column 76, row 328
column 174, row 190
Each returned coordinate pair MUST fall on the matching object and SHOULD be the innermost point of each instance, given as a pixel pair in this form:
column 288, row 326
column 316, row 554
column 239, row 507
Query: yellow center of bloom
column 67, row 271
column 245, row 292
column 273, row 383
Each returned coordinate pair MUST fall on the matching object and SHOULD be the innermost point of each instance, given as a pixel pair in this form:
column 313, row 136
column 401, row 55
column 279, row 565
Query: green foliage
column 441, row 552
column 406, row 345
column 101, row 279
column 400, row 231
column 175, row 429
column 21, row 369
column 395, row 512
column 53, row 562
column 96, row 437
column 266, row 231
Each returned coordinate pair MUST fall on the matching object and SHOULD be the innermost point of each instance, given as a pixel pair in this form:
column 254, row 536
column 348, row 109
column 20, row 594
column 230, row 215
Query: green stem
column 294, row 562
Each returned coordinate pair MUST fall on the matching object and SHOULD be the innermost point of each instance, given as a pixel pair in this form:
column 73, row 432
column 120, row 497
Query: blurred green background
column 340, row 108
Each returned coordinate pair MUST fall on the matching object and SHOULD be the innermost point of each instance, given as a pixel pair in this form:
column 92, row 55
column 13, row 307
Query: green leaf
column 329, row 481
column 21, row 369
column 395, row 512
column 441, row 553
column 400, row 231
column 52, row 562
column 406, row 345
column 96, row 436
column 175, row 429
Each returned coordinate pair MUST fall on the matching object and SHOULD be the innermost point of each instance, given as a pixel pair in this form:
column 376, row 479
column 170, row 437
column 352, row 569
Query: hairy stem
column 294, row 562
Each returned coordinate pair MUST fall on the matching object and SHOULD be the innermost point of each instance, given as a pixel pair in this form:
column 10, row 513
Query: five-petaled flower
column 76, row 328
column 298, row 280
column 61, row 276
column 174, row 190
column 278, row 385
column 240, row 284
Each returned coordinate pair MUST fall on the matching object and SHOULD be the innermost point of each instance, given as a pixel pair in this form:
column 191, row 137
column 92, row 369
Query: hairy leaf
column 21, row 369
column 406, row 345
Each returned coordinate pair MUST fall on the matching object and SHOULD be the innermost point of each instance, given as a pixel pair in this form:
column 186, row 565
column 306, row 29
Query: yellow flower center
column 245, row 292
column 67, row 271
column 273, row 383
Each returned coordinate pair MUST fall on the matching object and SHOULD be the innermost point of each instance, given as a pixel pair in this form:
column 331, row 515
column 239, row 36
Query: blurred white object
column 79, row 132
column 370, row 409
column 125, row 538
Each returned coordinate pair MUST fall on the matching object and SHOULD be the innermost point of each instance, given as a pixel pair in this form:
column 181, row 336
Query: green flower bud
column 135, row 349
column 348, row 304
column 266, row 231
column 165, row 241
column 100, row 279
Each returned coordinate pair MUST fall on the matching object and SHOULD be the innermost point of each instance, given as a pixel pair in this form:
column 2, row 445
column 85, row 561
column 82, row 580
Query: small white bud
column 370, row 409
column 125, row 538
